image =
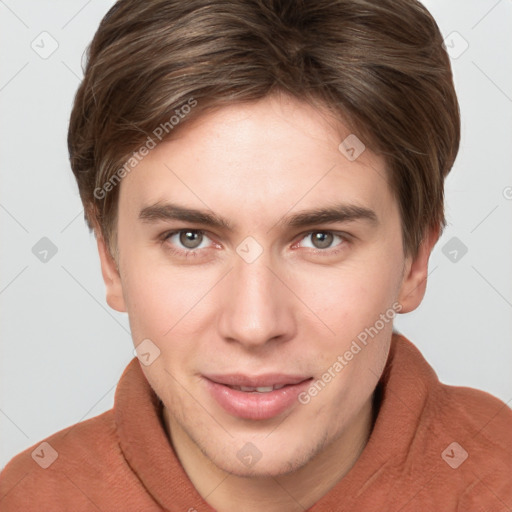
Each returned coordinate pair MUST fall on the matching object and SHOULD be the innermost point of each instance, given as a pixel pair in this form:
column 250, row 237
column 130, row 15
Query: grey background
column 63, row 349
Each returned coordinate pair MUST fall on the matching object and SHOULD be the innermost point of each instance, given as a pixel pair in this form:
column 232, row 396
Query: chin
column 269, row 460
column 275, row 467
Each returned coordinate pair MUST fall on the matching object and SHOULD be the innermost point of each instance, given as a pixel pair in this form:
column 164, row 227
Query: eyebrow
column 337, row 213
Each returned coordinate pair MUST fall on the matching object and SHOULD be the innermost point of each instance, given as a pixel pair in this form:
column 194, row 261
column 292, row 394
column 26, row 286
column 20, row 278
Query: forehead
column 273, row 155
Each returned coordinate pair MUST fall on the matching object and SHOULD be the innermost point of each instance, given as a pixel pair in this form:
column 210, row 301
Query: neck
column 289, row 492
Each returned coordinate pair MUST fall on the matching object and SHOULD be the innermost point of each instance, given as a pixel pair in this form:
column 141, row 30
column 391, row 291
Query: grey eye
column 190, row 239
column 322, row 239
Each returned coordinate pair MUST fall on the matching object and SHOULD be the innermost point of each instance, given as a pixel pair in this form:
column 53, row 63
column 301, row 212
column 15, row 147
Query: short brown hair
column 377, row 64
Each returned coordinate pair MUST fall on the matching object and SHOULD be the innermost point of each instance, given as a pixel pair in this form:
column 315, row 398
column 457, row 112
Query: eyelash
column 194, row 252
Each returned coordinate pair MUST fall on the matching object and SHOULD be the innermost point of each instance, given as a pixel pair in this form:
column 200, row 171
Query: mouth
column 256, row 398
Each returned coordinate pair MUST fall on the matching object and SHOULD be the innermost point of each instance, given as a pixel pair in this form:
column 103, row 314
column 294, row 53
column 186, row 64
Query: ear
column 111, row 277
column 414, row 281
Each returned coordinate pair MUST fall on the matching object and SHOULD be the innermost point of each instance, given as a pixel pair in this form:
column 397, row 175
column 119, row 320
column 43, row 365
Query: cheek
column 352, row 297
column 157, row 297
column 357, row 305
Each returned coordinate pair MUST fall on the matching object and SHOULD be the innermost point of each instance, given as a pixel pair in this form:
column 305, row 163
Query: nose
column 257, row 307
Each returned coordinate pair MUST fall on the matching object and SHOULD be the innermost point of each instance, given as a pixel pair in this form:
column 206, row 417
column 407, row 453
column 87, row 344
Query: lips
column 256, row 397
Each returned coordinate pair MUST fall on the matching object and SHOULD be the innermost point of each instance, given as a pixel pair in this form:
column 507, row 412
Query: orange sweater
column 433, row 448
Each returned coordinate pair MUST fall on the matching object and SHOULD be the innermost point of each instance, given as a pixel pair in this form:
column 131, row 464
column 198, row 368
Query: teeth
column 260, row 389
column 264, row 389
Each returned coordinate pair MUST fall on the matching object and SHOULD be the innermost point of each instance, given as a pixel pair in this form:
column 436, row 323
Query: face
column 236, row 287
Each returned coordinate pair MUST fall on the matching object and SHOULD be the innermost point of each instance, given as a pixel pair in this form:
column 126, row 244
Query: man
column 265, row 182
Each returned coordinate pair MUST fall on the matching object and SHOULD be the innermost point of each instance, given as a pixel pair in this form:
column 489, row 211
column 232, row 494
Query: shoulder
column 72, row 464
column 476, row 432
column 475, row 414
column 461, row 444
column 467, row 409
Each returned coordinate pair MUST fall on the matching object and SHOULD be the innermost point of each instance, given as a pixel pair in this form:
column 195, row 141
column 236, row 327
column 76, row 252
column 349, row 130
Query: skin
column 293, row 310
